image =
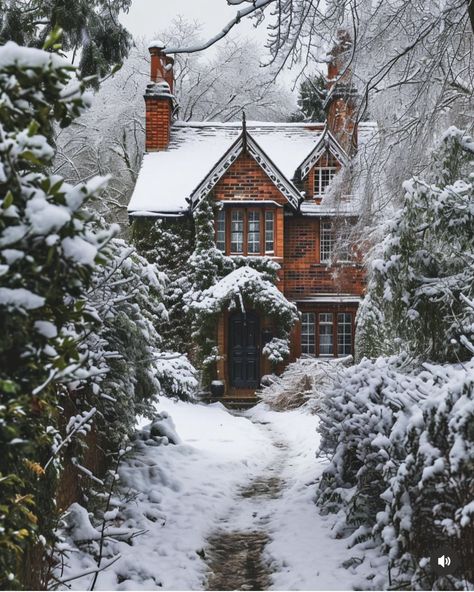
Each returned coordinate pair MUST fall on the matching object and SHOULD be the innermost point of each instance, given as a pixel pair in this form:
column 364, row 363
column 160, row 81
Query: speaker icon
column 444, row 561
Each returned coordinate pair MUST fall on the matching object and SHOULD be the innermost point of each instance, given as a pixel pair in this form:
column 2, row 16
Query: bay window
column 327, row 333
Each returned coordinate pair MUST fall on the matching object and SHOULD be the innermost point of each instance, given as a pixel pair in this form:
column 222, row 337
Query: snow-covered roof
column 168, row 179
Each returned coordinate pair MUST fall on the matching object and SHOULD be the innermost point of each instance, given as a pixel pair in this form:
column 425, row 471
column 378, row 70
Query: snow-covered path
column 233, row 500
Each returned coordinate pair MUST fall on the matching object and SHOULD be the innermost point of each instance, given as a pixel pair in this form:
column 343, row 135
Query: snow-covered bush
column 126, row 298
column 399, row 430
column 357, row 417
column 429, row 499
column 49, row 250
column 80, row 313
column 237, row 290
column 169, row 244
column 401, row 447
column 426, row 262
column 303, row 382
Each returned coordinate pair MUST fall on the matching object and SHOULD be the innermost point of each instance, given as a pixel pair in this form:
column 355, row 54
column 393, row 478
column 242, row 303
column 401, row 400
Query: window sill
column 338, row 264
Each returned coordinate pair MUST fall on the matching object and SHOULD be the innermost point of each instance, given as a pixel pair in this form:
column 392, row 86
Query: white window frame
column 221, row 230
column 342, row 243
column 326, row 319
column 326, row 241
column 237, row 217
column 320, row 187
column 308, row 333
column 269, row 232
column 254, row 220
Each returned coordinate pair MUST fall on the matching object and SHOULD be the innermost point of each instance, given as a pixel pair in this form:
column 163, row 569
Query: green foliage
column 91, row 26
column 311, row 97
column 185, row 249
column 211, row 293
column 48, row 251
column 169, row 243
column 424, row 274
column 400, row 441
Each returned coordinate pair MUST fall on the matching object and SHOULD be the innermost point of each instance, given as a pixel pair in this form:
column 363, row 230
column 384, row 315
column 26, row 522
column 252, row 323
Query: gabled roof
column 326, row 143
column 168, row 180
column 245, row 143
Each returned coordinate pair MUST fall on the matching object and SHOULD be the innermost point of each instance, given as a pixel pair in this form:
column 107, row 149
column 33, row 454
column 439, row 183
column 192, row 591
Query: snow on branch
column 254, row 7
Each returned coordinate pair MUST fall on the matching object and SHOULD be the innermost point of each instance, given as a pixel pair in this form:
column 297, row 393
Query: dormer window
column 246, row 231
column 324, row 173
column 322, row 178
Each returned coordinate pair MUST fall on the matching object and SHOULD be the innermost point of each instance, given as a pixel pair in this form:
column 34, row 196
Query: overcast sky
column 148, row 17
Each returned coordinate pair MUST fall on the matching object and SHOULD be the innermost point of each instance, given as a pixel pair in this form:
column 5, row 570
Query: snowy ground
column 183, row 494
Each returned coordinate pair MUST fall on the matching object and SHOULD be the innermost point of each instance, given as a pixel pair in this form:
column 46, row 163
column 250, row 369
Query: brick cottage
column 287, row 194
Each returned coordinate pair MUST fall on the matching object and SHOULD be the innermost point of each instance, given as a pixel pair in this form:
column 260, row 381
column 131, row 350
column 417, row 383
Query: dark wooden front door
column 244, row 351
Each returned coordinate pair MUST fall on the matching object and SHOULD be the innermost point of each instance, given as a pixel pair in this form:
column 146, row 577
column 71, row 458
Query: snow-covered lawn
column 181, row 494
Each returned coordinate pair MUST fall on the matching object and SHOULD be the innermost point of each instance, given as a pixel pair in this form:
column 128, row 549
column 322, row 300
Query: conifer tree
column 90, row 28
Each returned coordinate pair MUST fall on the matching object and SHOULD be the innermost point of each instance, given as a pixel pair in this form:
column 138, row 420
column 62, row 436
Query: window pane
column 269, row 231
column 343, row 243
column 220, row 231
column 308, row 333
column 237, row 232
column 253, row 232
column 326, row 242
column 322, row 178
column 344, row 334
column 326, row 347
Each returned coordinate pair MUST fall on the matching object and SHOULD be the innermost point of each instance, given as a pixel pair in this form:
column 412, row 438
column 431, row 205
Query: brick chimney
column 341, row 106
column 159, row 99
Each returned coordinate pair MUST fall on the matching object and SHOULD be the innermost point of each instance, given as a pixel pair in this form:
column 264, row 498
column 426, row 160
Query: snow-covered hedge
column 401, row 447
column 48, row 253
column 79, row 311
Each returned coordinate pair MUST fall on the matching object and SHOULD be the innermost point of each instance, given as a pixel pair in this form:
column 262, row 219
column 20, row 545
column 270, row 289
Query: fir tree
column 90, row 27
column 311, row 98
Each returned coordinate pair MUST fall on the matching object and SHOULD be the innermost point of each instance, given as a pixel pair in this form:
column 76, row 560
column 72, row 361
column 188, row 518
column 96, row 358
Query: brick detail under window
column 304, row 274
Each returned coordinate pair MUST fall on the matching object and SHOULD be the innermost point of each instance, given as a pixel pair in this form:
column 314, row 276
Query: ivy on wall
column 205, row 282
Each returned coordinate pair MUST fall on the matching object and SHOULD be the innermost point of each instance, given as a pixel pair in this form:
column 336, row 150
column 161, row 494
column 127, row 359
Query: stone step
column 231, row 402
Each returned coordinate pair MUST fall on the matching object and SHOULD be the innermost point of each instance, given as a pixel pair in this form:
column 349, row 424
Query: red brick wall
column 158, row 123
column 246, row 180
column 304, row 274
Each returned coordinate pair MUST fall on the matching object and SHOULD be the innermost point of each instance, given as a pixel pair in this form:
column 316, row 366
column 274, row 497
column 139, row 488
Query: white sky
column 148, row 17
